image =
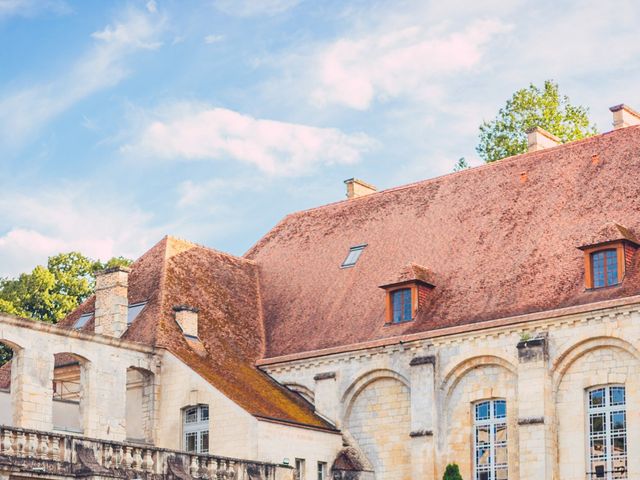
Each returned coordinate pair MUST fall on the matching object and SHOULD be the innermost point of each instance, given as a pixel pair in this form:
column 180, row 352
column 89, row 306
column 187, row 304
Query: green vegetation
column 452, row 472
column 529, row 108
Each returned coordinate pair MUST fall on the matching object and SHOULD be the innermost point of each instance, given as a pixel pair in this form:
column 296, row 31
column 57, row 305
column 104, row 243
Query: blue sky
column 210, row 120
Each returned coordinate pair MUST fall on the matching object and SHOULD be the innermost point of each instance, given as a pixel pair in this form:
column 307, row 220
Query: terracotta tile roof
column 501, row 240
column 225, row 290
column 411, row 273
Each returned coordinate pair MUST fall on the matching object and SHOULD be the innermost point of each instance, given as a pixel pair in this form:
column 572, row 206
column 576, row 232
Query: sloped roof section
column 225, row 290
column 610, row 232
column 501, row 242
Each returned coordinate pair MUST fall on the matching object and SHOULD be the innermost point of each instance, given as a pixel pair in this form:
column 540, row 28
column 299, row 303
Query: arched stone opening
column 70, row 392
column 378, row 419
column 8, row 351
column 140, row 405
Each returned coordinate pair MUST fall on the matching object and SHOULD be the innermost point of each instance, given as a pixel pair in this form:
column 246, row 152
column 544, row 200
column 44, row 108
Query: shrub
column 452, row 472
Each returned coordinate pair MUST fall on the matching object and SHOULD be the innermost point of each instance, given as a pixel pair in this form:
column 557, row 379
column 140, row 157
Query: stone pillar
column 326, row 396
column 423, row 407
column 535, row 411
column 112, row 304
column 103, row 400
column 32, row 389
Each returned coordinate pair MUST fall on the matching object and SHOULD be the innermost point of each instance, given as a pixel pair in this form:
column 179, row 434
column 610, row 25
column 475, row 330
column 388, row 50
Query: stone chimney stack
column 187, row 318
column 624, row 116
column 112, row 302
column 357, row 188
column 540, row 139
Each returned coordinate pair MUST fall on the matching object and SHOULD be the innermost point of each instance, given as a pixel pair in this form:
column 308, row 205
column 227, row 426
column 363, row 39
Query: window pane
column 501, row 433
column 612, row 267
column 483, row 435
column 500, row 409
column 482, row 411
column 407, row 305
column 401, row 304
column 501, row 455
column 191, row 442
column 597, row 423
column 483, row 456
column 204, row 412
column 501, row 474
column 596, row 398
column 397, row 306
column 353, row 256
column 597, row 261
column 618, row 421
column 204, row 442
column 617, row 396
column 191, row 415
column 598, row 448
column 483, row 475
column 619, row 446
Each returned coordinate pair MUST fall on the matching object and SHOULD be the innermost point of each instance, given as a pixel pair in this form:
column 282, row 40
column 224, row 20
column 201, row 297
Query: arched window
column 490, row 440
column 607, row 421
column 195, row 428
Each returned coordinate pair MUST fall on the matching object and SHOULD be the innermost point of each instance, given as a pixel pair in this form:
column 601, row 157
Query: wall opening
column 140, row 405
column 6, row 370
column 69, row 379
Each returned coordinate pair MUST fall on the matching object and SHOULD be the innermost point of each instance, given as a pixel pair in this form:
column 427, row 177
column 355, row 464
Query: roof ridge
column 211, row 249
column 494, row 164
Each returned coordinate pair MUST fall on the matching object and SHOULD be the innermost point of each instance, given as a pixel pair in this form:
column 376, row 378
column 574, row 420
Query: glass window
column 490, row 440
column 196, row 429
column 401, row 305
column 82, row 320
column 322, row 471
column 607, row 421
column 133, row 311
column 604, row 266
column 300, row 467
column 353, row 256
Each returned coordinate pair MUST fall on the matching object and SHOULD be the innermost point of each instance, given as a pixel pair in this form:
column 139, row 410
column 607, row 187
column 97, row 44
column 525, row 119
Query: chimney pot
column 539, row 139
column 624, row 116
column 187, row 318
column 357, row 188
column 112, row 303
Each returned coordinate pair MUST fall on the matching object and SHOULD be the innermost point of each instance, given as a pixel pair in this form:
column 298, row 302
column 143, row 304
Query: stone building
column 489, row 318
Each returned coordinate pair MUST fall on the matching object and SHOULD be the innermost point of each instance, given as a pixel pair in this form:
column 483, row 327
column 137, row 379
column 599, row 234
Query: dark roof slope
column 231, row 336
column 501, row 240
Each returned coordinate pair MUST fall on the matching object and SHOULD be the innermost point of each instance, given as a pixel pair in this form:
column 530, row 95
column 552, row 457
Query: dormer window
column 407, row 292
column 604, row 268
column 607, row 255
column 401, row 305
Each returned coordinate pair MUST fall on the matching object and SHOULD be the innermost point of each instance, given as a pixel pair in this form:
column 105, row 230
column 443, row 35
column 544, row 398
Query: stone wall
column 543, row 380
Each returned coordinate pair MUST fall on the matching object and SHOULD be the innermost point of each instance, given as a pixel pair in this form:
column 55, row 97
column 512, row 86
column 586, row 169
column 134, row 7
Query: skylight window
column 82, row 320
column 353, row 256
column 134, row 311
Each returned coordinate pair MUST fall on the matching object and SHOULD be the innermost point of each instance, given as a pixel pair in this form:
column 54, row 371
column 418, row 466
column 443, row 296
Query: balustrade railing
column 39, row 451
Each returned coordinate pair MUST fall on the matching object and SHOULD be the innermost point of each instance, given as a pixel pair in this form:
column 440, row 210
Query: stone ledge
column 421, row 433
column 324, row 376
column 531, row 421
column 425, row 360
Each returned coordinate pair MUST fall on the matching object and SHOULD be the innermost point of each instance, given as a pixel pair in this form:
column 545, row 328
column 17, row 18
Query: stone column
column 535, row 411
column 32, row 389
column 326, row 396
column 423, row 407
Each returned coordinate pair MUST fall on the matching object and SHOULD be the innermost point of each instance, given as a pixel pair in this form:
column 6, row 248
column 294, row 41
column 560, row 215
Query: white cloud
column 70, row 217
column 152, row 6
column 248, row 8
column 28, row 8
column 197, row 132
column 210, row 39
column 410, row 61
column 103, row 66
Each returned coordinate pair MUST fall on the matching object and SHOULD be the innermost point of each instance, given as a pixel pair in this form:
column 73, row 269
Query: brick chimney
column 540, row 139
column 112, row 303
column 187, row 318
column 357, row 188
column 624, row 116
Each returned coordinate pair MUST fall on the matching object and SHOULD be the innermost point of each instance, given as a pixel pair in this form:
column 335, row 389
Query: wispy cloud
column 29, row 8
column 188, row 131
column 211, row 38
column 70, row 216
column 248, row 8
column 410, row 62
column 25, row 111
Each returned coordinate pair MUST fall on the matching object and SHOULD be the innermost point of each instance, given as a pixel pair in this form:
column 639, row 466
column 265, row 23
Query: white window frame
column 197, row 428
column 492, row 422
column 322, row 470
column 607, row 410
column 300, row 469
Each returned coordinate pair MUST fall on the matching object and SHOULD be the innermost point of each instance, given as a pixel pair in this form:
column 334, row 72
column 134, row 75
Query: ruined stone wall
column 542, row 368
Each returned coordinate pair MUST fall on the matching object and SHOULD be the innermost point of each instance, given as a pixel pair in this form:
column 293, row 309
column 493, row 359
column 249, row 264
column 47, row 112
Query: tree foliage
column 452, row 472
column 50, row 293
column 529, row 108
column 461, row 164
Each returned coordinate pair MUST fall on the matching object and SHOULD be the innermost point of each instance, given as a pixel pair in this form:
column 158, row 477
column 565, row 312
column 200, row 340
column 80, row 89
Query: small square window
column 353, row 256
column 82, row 320
column 133, row 311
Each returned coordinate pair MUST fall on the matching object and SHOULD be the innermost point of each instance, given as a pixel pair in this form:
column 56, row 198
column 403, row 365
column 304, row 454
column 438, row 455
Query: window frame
column 355, row 248
column 300, row 464
column 491, row 422
column 389, row 302
column 322, row 470
column 608, row 435
column 198, row 428
column 588, row 263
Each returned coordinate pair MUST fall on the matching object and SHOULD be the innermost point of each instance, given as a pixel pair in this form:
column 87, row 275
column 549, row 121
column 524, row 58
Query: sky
column 210, row 120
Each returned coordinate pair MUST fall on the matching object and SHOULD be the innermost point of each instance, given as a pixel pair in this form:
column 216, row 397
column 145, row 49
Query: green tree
column 529, row 108
column 452, row 472
column 50, row 293
column 461, row 164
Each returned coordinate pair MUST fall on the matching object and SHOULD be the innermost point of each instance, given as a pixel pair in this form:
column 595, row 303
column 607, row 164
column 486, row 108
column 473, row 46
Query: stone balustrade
column 34, row 453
